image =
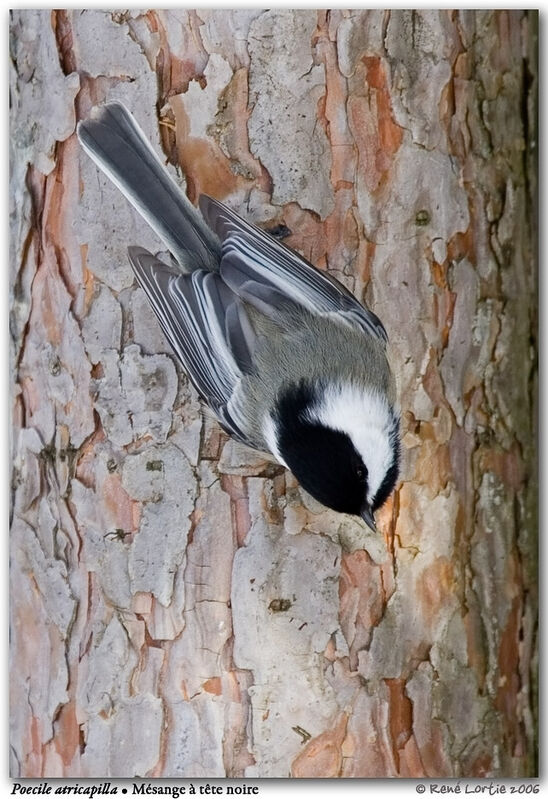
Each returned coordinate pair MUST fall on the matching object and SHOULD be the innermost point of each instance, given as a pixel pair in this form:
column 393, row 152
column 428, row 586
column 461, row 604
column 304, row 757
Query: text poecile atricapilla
column 287, row 359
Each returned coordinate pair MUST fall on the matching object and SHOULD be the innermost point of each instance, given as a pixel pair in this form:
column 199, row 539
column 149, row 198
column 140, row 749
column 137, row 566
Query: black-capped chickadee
column 288, row 360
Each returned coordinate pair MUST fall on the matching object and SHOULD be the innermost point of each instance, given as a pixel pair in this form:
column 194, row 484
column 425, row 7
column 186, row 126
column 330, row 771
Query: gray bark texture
column 179, row 606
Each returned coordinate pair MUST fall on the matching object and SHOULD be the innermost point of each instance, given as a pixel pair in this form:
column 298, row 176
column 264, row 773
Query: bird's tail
column 113, row 139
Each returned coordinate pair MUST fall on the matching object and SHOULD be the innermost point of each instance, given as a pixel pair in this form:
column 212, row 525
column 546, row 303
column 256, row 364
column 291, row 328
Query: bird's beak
column 367, row 516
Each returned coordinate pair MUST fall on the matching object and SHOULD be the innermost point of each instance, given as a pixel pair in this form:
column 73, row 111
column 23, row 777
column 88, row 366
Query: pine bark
column 179, row 606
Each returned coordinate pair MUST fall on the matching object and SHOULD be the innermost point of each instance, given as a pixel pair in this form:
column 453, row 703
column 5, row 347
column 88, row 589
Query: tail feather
column 112, row 138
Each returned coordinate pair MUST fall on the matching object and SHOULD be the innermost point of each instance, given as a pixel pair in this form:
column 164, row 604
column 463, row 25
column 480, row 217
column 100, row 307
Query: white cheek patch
column 366, row 418
column 269, row 433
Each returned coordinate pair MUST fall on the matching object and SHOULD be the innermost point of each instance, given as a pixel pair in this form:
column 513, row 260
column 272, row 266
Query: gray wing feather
column 270, row 301
column 251, row 258
column 240, row 336
column 206, row 324
column 112, row 138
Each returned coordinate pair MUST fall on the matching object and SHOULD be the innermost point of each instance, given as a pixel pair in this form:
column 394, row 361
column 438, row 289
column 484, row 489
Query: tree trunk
column 180, row 607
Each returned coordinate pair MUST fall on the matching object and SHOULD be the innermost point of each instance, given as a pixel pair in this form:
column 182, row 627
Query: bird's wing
column 206, row 324
column 270, row 276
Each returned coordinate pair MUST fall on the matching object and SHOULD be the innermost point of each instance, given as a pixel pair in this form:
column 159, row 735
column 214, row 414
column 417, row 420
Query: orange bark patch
column 367, row 748
column 508, row 700
column 439, row 274
column 85, row 466
column 390, row 134
column 205, row 166
column 401, row 715
column 213, row 686
column 377, row 136
column 435, row 583
column 34, row 761
column 410, row 760
column 361, row 599
column 205, row 172
column 460, row 246
column 231, row 686
column 507, row 465
column 322, row 756
column 434, row 754
column 366, row 253
column 119, row 503
column 308, row 234
column 433, row 465
column 475, row 644
column 45, row 292
column 445, row 320
column 235, row 487
column 181, row 72
column 67, row 737
column 481, row 767
column 431, row 380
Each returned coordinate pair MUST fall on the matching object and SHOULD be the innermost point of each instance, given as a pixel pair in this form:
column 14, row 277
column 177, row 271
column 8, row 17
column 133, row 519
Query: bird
column 283, row 354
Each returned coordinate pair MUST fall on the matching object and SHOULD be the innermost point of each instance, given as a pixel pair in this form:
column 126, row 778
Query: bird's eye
column 360, row 473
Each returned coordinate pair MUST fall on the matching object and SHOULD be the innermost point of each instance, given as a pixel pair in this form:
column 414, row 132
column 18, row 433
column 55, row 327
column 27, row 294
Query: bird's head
column 342, row 445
